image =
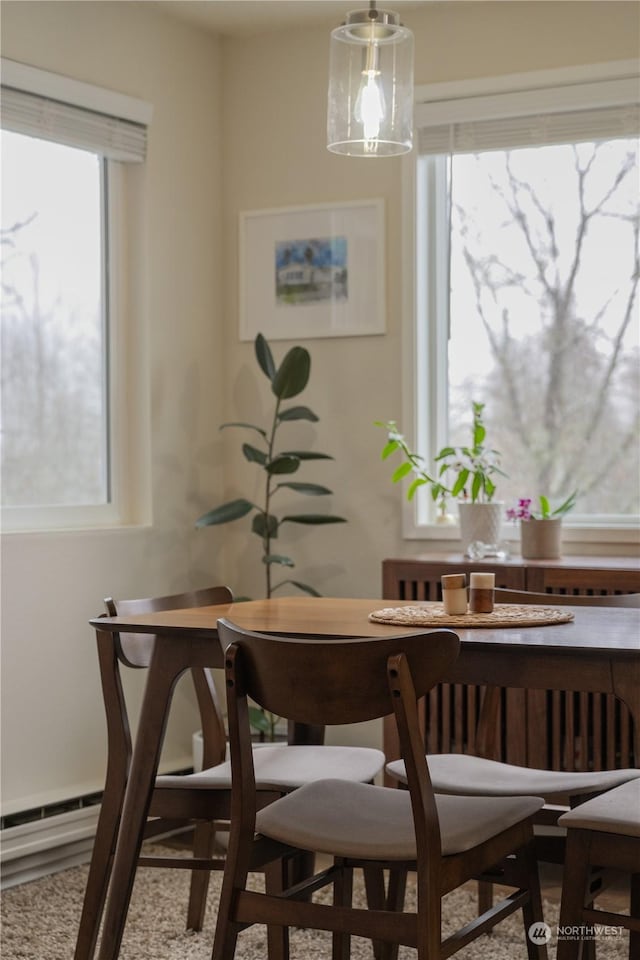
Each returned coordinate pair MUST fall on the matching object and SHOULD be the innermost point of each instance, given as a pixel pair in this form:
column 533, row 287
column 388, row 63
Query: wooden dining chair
column 445, row 840
column 632, row 600
column 602, row 833
column 464, row 774
column 200, row 799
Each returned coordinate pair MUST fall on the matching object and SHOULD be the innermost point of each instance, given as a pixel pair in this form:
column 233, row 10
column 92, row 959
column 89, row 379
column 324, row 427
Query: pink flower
column 522, row 511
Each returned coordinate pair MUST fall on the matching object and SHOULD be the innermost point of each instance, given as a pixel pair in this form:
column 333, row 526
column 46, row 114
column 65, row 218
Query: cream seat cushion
column 617, row 811
column 362, row 820
column 464, row 775
column 288, row 767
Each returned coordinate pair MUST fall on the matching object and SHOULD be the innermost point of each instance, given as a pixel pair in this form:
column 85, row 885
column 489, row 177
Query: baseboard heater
column 45, row 845
column 45, row 840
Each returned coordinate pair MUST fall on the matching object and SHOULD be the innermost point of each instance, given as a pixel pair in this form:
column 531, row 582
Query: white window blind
column 522, row 118
column 40, row 104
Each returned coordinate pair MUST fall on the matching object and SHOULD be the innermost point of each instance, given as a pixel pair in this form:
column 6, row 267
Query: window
column 61, row 375
column 526, row 291
column 55, row 436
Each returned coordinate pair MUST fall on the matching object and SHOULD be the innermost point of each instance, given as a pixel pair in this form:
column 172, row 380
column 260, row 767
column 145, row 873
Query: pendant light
column 370, row 104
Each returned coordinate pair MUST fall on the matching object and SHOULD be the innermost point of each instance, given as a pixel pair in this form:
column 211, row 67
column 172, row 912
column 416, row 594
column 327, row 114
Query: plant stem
column 266, row 540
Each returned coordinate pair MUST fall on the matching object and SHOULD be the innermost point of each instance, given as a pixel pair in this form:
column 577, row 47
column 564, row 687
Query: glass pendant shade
column 370, row 106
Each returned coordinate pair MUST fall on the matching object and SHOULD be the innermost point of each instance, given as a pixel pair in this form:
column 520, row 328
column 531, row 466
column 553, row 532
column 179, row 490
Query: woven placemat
column 503, row 615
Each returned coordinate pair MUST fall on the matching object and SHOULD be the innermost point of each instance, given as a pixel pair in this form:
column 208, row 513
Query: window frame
column 125, row 413
column 424, row 354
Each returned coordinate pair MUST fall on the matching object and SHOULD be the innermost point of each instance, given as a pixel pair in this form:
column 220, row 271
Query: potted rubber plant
column 287, row 380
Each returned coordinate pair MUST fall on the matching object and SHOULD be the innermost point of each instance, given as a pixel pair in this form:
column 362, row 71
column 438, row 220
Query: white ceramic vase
column 481, row 522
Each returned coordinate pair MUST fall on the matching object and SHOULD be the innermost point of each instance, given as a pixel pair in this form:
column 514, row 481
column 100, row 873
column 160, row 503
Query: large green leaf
column 298, row 413
column 279, row 559
column 259, row 720
column 306, row 455
column 402, row 471
column 479, row 433
column 265, row 525
column 415, row 485
column 250, row 426
column 459, row 485
column 283, row 463
column 312, row 518
column 265, row 357
column 253, row 455
column 446, row 452
column 232, row 510
column 292, row 375
column 301, row 586
column 389, row 448
column 312, row 489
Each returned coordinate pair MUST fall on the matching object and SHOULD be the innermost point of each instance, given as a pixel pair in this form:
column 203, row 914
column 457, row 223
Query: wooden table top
column 605, row 629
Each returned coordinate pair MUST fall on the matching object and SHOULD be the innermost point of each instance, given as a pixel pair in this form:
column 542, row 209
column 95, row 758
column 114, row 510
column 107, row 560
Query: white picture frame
column 312, row 271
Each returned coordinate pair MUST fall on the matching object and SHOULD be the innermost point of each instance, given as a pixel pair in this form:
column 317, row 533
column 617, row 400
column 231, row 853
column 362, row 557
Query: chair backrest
column 135, row 649
column 568, row 599
column 333, row 680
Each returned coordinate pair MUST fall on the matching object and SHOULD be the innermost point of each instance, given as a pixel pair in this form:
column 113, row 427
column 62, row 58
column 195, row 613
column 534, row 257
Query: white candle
column 483, row 581
column 454, row 593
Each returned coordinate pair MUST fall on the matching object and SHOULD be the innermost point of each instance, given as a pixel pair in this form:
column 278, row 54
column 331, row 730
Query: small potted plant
column 465, row 473
column 541, row 530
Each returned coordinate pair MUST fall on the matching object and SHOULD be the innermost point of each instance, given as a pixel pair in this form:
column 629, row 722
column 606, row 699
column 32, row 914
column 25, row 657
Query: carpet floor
column 40, row 919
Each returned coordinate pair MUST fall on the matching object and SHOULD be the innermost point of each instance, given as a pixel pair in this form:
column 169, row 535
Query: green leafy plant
column 287, row 381
column 466, row 472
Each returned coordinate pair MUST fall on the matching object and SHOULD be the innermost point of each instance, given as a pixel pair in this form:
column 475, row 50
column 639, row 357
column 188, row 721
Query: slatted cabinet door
column 554, row 730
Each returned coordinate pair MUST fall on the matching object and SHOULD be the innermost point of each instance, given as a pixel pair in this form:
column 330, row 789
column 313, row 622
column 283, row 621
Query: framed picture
column 313, row 271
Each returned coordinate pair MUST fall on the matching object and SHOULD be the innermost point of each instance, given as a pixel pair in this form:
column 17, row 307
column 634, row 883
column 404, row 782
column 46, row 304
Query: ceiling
column 246, row 17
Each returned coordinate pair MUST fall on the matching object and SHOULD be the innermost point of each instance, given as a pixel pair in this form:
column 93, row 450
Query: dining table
column 597, row 651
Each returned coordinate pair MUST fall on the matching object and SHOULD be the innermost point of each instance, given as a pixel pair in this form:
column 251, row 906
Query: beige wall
column 53, row 728
column 237, row 125
column 275, row 155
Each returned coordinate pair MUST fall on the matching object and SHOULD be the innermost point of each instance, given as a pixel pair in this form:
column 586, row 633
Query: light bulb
column 370, row 105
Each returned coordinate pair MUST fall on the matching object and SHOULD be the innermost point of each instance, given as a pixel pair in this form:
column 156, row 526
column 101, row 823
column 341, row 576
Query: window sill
column 572, row 534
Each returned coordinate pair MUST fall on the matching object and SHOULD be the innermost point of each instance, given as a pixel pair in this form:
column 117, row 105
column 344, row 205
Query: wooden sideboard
column 551, row 729
column 418, row 578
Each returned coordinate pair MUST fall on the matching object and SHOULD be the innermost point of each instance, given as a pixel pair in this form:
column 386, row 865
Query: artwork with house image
column 311, row 270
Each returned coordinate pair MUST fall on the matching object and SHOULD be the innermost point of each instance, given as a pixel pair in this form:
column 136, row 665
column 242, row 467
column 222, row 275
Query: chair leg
column 234, row 880
column 300, row 868
column 532, row 909
column 634, row 936
column 485, row 897
column 276, row 876
column 379, row 899
column 376, row 900
column 204, row 837
column 429, row 909
column 395, row 901
column 99, row 872
column 343, row 897
column 574, row 885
